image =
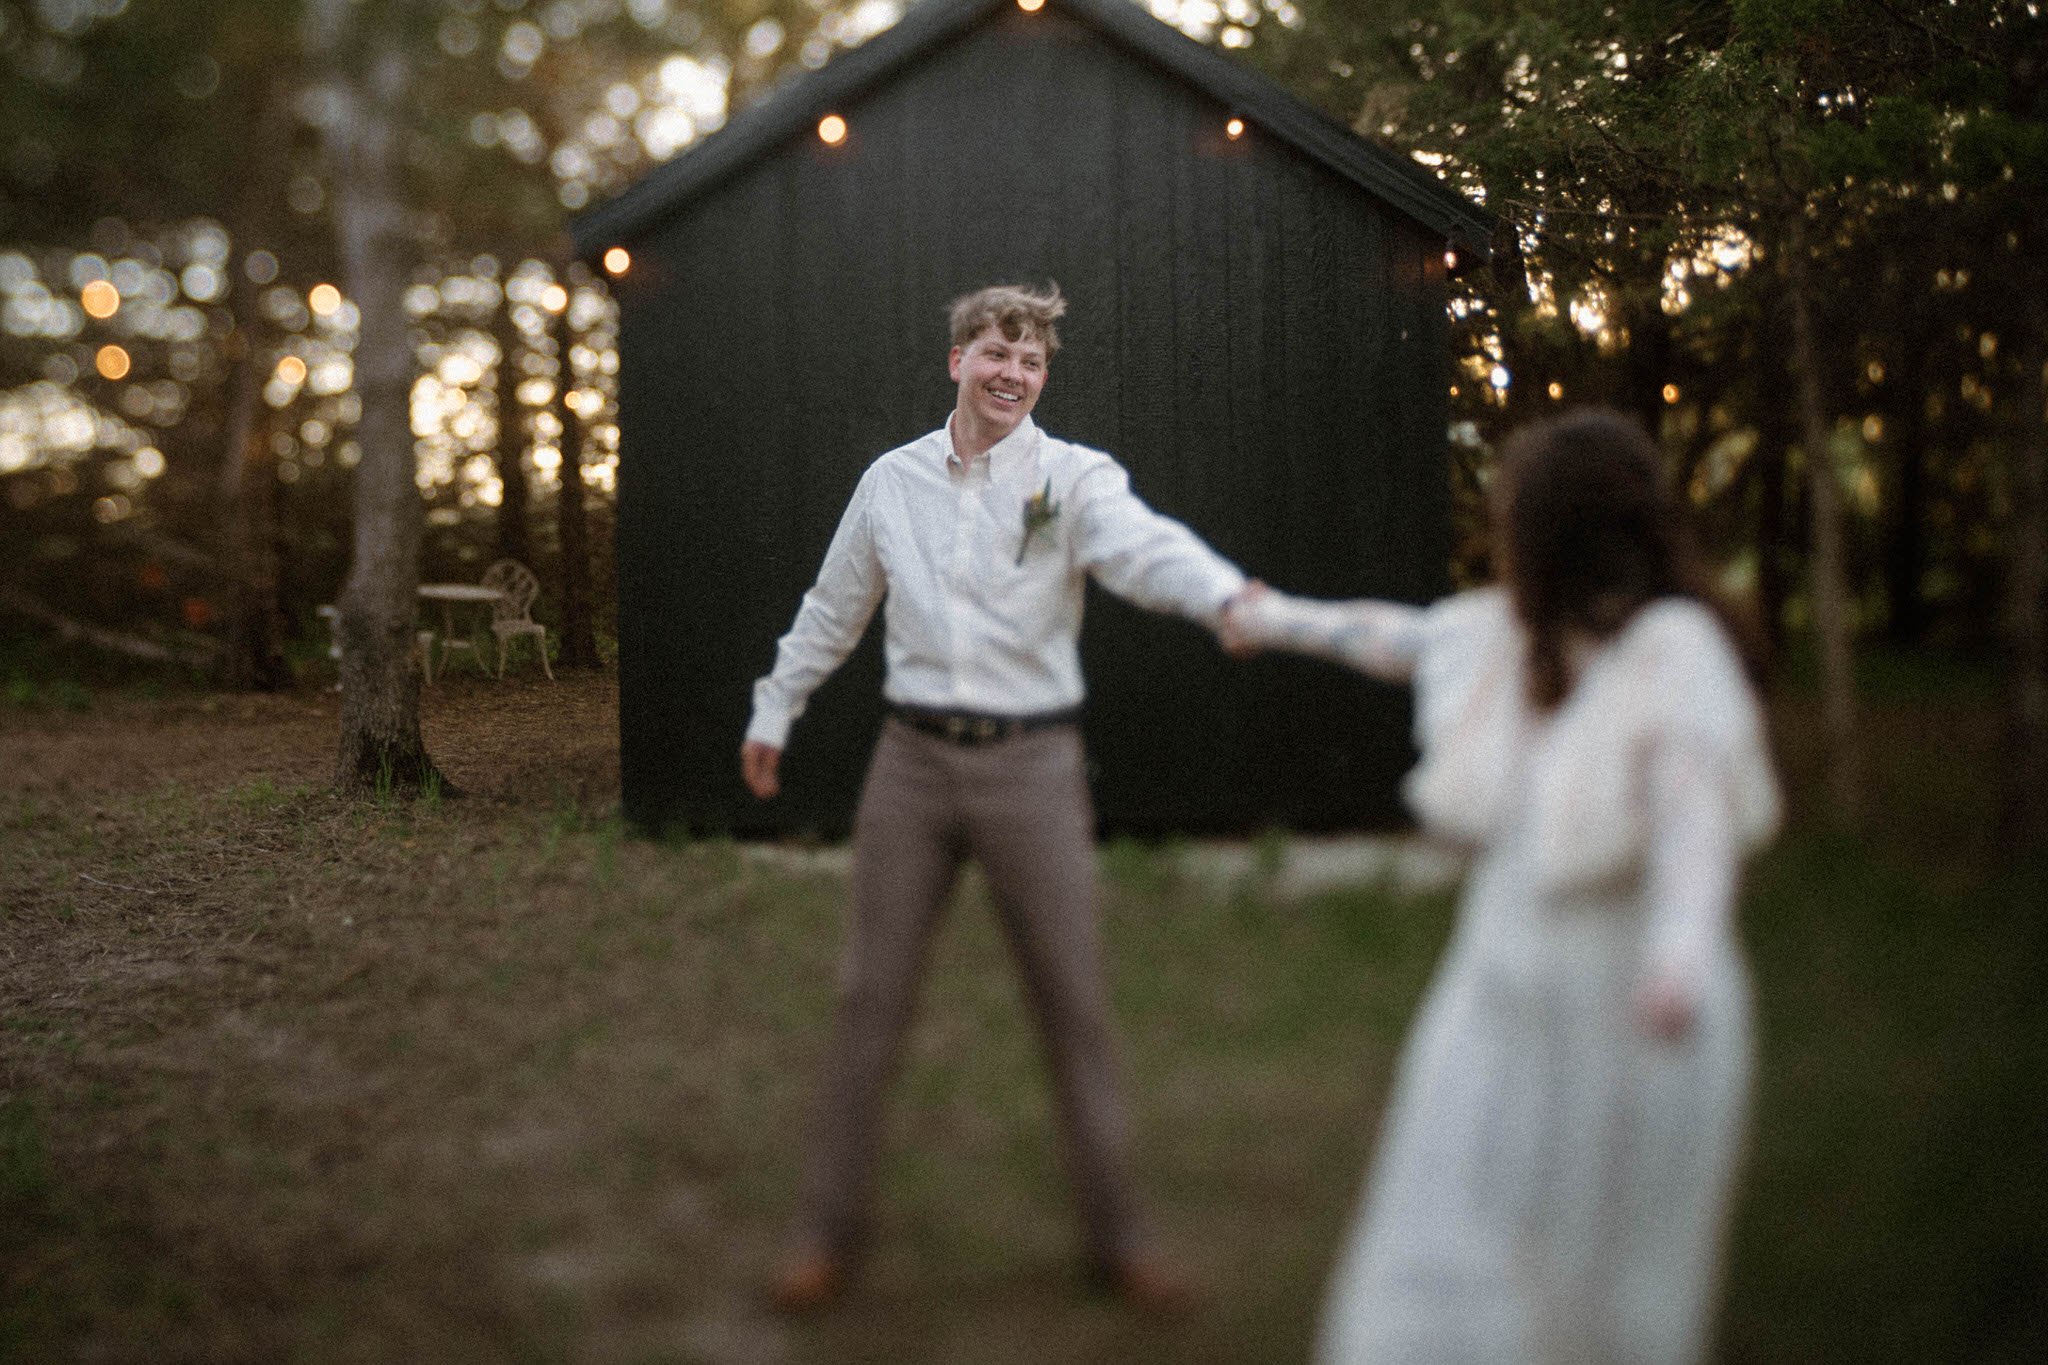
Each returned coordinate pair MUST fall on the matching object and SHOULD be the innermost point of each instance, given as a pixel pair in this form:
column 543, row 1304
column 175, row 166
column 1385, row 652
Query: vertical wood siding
column 1258, row 341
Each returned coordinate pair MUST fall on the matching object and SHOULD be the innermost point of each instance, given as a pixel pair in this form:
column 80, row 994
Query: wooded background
column 1801, row 238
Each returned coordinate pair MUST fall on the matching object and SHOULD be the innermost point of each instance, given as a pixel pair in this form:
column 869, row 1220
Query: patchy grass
column 483, row 1079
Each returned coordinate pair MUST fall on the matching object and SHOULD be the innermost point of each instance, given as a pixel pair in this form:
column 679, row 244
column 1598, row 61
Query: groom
column 980, row 538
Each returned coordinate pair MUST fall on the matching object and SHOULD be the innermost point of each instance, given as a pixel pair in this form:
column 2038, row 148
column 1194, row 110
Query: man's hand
column 1235, row 641
column 760, row 765
column 1665, row 1010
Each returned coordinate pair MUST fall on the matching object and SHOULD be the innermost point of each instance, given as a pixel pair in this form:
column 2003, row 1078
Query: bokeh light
column 112, row 362
column 100, row 299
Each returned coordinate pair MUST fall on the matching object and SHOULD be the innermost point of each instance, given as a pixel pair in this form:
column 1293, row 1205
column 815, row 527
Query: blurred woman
column 1554, row 1169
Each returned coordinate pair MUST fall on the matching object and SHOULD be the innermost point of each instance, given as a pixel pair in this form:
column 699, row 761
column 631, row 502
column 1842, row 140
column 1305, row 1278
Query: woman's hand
column 1665, row 1010
column 1231, row 631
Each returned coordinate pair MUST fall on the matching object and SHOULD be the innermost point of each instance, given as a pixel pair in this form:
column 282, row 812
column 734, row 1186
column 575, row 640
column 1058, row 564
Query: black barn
column 1257, row 331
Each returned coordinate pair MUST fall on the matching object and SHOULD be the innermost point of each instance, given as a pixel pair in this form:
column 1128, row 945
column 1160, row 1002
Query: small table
column 448, row 594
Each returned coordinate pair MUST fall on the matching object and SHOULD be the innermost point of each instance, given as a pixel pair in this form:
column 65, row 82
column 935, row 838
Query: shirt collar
column 1000, row 456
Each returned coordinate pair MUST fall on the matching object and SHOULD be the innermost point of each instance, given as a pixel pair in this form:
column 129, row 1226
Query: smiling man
column 979, row 538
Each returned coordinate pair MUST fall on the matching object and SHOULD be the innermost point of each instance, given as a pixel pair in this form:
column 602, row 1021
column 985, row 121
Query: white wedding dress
column 1552, row 1183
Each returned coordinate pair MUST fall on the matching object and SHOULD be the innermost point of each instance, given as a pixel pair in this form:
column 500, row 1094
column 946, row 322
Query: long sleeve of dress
column 1381, row 639
column 1691, row 862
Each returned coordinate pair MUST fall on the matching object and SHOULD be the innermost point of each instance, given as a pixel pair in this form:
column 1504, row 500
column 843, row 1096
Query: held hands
column 1664, row 1010
column 1232, row 632
column 761, row 766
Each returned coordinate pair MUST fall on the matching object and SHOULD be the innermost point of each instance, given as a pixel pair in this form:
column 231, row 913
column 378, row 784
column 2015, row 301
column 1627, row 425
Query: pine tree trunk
column 1827, row 575
column 515, row 538
column 380, row 746
column 579, row 640
column 1647, row 368
column 2026, row 790
column 1905, row 541
column 1773, row 552
column 252, row 655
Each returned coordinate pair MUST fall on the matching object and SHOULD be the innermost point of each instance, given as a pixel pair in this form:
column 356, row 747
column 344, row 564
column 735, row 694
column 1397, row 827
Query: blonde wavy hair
column 1017, row 311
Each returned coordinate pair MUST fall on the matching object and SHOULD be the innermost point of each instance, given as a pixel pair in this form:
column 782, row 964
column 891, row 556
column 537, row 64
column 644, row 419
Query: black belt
column 978, row 727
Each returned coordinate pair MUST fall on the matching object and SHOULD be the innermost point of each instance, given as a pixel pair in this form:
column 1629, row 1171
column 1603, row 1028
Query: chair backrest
column 517, row 587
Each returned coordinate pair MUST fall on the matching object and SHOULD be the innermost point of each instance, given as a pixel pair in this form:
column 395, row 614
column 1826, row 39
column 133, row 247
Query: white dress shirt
column 967, row 626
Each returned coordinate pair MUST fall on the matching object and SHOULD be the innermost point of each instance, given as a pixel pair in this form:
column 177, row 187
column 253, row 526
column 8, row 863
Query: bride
column 1554, row 1169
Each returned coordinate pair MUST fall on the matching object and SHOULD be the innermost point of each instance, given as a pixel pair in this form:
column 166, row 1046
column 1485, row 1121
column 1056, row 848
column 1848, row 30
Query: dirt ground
column 503, row 740
column 286, row 1077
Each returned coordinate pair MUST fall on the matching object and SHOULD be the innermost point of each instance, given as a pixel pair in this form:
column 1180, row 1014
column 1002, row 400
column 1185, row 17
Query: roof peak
column 794, row 105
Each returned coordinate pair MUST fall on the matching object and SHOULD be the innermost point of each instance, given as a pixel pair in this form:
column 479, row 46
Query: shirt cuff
column 771, row 720
column 1225, row 583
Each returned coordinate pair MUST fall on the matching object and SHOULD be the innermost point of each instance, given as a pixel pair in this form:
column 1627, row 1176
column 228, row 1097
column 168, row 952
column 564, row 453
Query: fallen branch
column 99, row 637
column 165, row 547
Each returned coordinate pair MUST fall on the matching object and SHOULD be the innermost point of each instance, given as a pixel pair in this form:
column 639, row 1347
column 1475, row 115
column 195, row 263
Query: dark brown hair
column 1587, row 532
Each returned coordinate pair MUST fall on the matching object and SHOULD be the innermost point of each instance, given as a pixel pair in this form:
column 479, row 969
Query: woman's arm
column 1689, row 883
column 1381, row 639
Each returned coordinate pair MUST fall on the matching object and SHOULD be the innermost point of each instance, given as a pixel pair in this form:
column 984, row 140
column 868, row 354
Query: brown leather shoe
column 807, row 1279
column 1145, row 1282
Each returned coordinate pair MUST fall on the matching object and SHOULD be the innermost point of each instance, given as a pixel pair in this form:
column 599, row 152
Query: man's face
column 999, row 379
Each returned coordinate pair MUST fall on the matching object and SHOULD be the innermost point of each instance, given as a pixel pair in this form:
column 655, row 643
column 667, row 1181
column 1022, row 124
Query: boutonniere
column 1039, row 511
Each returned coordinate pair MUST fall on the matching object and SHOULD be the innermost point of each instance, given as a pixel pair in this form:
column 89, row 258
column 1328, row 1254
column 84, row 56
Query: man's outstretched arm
column 828, row 625
column 1146, row 558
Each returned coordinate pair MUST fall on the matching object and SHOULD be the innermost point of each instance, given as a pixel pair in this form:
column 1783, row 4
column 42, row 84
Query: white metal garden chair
column 512, row 610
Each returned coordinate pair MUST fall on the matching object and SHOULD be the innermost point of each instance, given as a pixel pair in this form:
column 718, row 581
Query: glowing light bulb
column 100, row 299
column 292, row 370
column 831, row 130
column 1234, row 129
column 324, row 299
column 617, row 261
column 1031, row 6
column 112, row 362
column 554, row 298
column 1671, row 393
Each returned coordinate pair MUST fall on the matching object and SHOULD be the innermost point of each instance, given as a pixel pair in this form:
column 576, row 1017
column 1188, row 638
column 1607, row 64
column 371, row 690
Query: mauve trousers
column 1020, row 807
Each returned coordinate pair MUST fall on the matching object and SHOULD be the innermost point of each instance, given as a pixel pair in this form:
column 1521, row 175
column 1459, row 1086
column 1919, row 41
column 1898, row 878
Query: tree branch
column 99, row 637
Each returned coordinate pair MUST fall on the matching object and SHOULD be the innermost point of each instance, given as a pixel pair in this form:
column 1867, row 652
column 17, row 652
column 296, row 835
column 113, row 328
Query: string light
column 1031, row 6
column 617, row 261
column 554, row 298
column 1234, row 129
column 1671, row 393
column 292, row 370
column 1450, row 258
column 831, row 130
column 324, row 299
column 100, row 300
column 1556, row 390
column 112, row 362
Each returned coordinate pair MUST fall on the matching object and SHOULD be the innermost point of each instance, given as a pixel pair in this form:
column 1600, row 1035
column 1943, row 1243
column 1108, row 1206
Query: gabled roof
column 1393, row 179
